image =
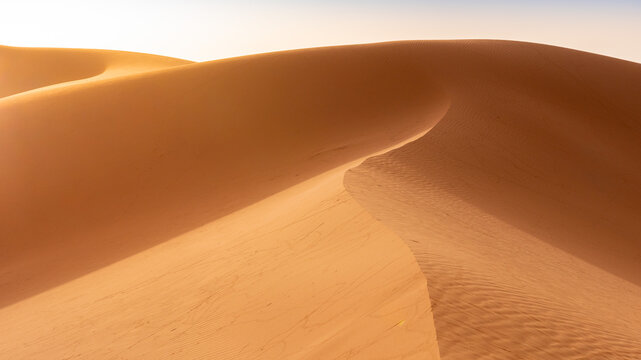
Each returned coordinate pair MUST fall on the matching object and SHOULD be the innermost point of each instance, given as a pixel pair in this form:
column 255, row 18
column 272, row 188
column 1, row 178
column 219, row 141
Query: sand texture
column 406, row 200
column 523, row 204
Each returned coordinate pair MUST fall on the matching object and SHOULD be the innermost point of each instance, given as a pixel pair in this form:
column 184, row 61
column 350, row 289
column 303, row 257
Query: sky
column 203, row 30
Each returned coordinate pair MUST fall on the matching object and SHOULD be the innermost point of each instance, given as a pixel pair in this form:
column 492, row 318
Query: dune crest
column 142, row 190
column 184, row 210
column 185, row 146
column 25, row 69
column 522, row 204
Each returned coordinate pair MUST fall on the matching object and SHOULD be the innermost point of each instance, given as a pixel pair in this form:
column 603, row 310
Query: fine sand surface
column 132, row 224
column 25, row 69
column 523, row 204
column 283, row 205
column 304, row 274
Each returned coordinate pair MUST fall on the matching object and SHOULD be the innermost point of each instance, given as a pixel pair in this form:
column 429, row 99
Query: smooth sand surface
column 154, row 208
column 102, row 171
column 25, row 69
column 304, row 274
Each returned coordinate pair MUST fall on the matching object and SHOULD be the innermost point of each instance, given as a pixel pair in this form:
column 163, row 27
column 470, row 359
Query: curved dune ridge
column 523, row 204
column 265, row 206
column 198, row 212
column 25, row 69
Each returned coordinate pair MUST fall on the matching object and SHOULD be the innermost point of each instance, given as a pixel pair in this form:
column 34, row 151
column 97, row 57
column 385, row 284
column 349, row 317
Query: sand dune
column 101, row 171
column 523, row 204
column 25, row 69
column 304, row 274
column 185, row 146
column 156, row 208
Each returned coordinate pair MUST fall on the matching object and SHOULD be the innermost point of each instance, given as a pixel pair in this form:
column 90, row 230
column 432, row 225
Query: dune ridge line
column 265, row 200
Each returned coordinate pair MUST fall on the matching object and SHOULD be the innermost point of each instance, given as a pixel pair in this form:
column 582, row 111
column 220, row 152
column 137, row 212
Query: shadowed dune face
column 522, row 204
column 99, row 166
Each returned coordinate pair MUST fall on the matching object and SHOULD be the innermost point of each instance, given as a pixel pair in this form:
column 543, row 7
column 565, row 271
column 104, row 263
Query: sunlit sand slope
column 176, row 210
column 305, row 274
column 98, row 171
column 130, row 226
column 523, row 204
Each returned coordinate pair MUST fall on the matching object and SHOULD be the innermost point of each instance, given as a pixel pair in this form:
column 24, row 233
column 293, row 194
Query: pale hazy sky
column 211, row 29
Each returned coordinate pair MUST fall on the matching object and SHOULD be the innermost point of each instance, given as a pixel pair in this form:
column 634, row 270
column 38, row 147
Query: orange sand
column 523, row 204
column 153, row 208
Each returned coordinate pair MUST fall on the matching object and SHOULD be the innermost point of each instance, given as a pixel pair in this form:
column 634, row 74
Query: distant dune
column 405, row 200
column 25, row 69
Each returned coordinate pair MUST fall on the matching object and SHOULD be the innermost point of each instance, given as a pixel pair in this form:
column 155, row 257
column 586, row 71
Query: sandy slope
column 101, row 171
column 25, row 69
column 523, row 204
column 304, row 274
column 111, row 160
column 198, row 211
